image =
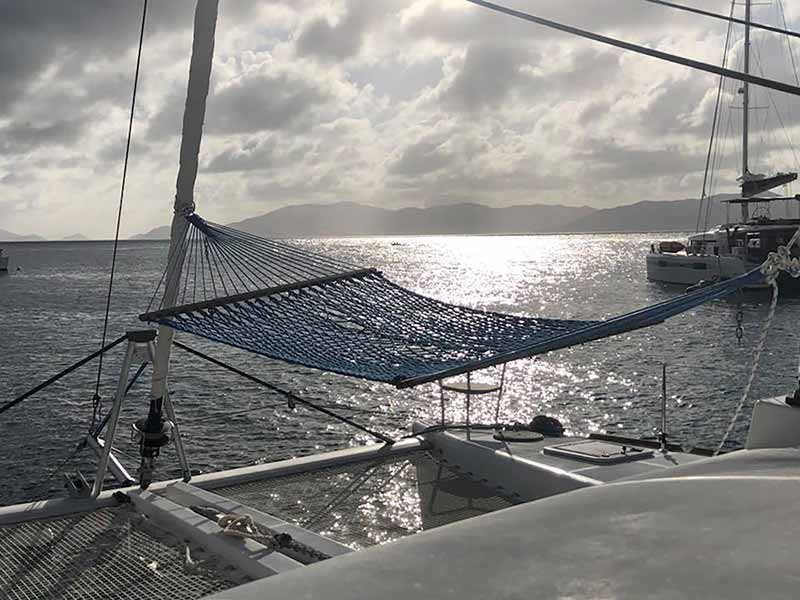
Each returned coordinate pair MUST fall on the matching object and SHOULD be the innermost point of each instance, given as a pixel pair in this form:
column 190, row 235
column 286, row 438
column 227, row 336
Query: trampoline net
column 372, row 502
column 107, row 554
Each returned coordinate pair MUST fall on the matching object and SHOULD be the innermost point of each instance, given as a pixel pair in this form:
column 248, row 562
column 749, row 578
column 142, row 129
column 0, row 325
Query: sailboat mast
column 205, row 21
column 746, row 105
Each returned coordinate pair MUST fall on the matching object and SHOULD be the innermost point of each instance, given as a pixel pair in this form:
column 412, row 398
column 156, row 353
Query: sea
column 52, row 306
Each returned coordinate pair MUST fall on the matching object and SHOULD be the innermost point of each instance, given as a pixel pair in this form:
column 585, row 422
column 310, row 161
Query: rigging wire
column 730, row 19
column 96, row 398
column 714, row 123
column 780, row 119
column 788, row 42
column 60, row 374
column 291, row 397
column 672, row 58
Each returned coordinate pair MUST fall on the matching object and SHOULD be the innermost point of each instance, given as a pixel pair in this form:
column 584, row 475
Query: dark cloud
column 489, row 73
column 20, row 138
column 249, row 104
column 422, row 157
column 252, row 156
column 342, row 40
column 613, row 161
column 268, row 101
column 37, row 35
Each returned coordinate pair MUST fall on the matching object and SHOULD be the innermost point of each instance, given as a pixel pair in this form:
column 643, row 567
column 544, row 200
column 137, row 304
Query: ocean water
column 51, row 314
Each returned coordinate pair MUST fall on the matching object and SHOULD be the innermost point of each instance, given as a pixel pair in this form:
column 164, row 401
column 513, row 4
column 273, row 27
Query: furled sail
column 753, row 184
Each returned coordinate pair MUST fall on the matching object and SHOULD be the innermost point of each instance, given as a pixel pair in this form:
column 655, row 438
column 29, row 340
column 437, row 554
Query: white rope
column 756, row 359
column 245, row 527
column 782, row 260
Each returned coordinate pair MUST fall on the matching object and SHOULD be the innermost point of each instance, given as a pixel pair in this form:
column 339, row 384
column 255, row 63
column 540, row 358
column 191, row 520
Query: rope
column 777, row 262
column 243, row 526
column 285, row 393
column 96, row 398
column 756, row 359
column 730, row 19
column 680, row 60
column 60, row 374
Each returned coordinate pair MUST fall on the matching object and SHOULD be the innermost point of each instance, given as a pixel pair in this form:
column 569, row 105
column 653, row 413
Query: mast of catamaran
column 205, row 20
column 746, row 106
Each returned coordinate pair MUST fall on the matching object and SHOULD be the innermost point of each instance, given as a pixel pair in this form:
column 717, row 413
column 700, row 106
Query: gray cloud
column 252, row 156
column 489, row 73
column 334, row 42
column 268, row 101
column 20, row 138
column 608, row 159
column 39, row 34
column 421, row 157
column 395, row 101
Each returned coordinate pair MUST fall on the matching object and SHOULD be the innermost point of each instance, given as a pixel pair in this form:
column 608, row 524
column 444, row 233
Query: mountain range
column 349, row 218
column 8, row 236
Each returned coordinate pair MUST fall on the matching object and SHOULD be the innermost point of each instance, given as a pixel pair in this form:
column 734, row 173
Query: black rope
column 96, row 399
column 673, row 58
column 285, row 393
column 61, row 374
column 730, row 19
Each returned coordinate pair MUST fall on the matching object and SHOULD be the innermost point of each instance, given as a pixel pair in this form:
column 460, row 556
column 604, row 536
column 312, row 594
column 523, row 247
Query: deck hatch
column 598, row 452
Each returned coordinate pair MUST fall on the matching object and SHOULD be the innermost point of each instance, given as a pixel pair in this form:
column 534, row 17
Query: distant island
column 352, row 219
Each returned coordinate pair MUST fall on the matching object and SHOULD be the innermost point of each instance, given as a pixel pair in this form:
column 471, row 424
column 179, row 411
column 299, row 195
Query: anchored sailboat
column 728, row 250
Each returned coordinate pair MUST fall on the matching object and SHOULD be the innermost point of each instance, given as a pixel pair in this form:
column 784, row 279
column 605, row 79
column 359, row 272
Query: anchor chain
column 739, row 323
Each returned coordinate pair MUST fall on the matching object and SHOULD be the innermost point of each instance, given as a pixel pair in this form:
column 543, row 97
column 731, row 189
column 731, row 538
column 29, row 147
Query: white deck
column 709, row 529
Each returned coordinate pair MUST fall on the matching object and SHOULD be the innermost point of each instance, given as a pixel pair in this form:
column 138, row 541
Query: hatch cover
column 599, row 452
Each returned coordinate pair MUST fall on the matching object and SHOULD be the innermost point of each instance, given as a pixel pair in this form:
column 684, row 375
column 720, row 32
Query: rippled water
column 51, row 313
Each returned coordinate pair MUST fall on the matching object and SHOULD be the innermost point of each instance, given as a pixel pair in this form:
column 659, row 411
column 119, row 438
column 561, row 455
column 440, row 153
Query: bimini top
column 284, row 302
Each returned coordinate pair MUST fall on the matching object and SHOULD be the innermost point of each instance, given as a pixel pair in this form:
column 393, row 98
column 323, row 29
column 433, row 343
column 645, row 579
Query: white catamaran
column 733, row 248
column 515, row 512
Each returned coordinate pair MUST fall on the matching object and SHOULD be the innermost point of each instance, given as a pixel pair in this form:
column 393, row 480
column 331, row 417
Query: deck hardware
column 154, row 427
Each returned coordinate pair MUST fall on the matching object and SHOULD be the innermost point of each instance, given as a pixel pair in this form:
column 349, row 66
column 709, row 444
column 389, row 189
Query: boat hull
column 689, row 269
column 3, row 263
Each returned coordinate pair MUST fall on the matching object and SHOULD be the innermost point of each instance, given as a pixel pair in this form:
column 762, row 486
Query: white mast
column 205, row 21
column 746, row 105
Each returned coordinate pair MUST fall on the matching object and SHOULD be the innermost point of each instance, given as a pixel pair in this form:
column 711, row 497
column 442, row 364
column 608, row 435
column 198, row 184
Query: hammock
column 284, row 302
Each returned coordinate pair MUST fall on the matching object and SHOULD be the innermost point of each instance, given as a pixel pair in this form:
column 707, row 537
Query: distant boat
column 3, row 261
column 729, row 250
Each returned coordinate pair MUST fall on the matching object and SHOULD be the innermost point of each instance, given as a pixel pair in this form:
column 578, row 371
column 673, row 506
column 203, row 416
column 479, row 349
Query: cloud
column 342, row 39
column 489, row 73
column 397, row 102
column 266, row 101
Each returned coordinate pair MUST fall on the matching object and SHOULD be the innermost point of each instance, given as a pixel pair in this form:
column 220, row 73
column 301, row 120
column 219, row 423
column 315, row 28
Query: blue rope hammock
column 287, row 303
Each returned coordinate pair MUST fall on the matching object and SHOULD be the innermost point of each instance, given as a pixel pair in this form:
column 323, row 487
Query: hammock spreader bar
column 287, row 303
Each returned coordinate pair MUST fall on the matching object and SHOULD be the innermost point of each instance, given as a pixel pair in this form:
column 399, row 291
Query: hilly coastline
column 351, row 219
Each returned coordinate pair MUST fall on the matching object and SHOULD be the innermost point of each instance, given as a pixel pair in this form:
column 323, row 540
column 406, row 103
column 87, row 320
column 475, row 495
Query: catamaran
column 733, row 248
column 506, row 512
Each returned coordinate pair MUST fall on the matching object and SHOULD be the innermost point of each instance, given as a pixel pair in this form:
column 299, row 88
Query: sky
column 386, row 102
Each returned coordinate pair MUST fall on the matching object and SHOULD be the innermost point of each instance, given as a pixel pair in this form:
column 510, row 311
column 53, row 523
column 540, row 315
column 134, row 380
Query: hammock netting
column 287, row 303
